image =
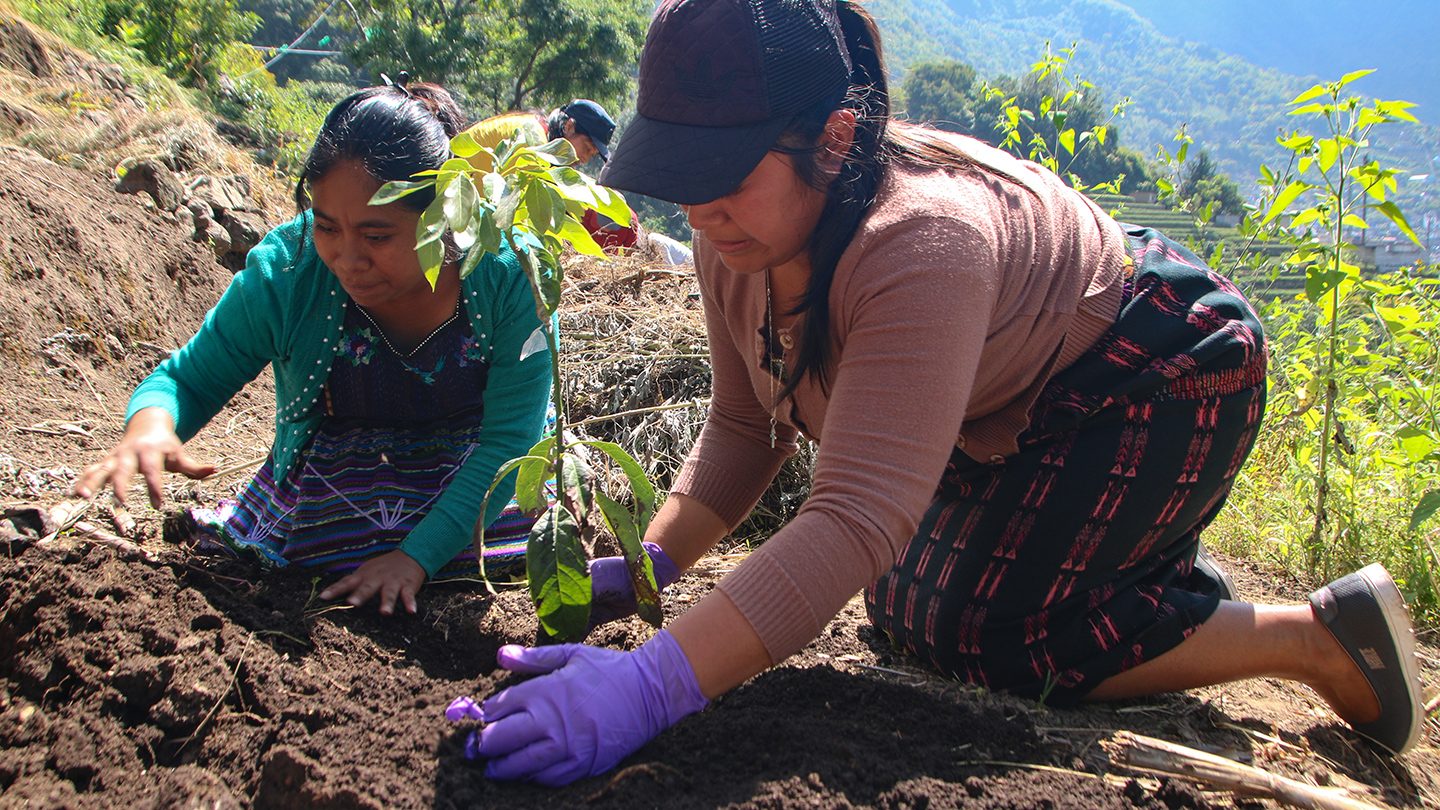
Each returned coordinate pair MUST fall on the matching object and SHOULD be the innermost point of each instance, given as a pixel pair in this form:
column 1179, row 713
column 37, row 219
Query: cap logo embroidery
column 1372, row 658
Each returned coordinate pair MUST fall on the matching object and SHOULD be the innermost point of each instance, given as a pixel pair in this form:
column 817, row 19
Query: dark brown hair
column 393, row 130
column 878, row 141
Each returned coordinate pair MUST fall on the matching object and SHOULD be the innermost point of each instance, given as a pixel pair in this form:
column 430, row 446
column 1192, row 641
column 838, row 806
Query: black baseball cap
column 719, row 81
column 592, row 120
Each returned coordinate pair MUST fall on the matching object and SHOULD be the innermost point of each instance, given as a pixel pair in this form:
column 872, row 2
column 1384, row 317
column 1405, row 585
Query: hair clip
column 399, row 82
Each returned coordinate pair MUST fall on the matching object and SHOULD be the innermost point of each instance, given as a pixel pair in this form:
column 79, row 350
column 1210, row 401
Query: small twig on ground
column 234, row 468
column 234, row 681
column 657, row 771
column 886, row 670
column 64, row 515
column 1149, row 755
column 1433, row 706
column 87, row 531
column 1031, row 766
column 121, row 517
column 310, row 614
column 610, row 417
column 284, row 635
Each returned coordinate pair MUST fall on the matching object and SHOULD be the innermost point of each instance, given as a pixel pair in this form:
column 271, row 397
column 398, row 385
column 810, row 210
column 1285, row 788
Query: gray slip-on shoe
column 1365, row 612
column 1211, row 567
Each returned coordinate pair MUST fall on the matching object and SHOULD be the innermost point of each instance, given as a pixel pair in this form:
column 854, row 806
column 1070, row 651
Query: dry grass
column 637, row 372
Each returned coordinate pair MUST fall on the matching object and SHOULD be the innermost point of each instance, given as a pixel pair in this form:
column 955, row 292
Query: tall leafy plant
column 1315, row 204
column 528, row 198
column 1065, row 123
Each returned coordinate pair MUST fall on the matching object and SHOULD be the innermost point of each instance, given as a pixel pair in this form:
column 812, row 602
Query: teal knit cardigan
column 288, row 311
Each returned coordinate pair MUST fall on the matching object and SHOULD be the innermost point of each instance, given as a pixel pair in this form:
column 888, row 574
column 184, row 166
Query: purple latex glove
column 593, row 709
column 612, row 594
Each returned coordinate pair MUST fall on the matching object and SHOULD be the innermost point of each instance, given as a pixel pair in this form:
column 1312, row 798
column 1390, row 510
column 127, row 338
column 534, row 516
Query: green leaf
column 1429, row 504
column 556, row 565
column 461, row 201
column 1314, row 92
column 612, row 205
column 1320, row 280
column 494, row 187
column 540, row 203
column 1354, row 221
column 576, row 473
column 431, row 225
column 464, row 145
column 1392, row 213
column 487, row 234
column 395, row 189
column 1067, row 140
column 642, row 570
column 530, row 479
column 1284, row 198
column 1353, row 75
column 509, row 204
column 478, row 535
column 640, row 486
column 559, row 152
column 1417, row 444
column 432, row 258
column 578, row 237
column 1329, row 152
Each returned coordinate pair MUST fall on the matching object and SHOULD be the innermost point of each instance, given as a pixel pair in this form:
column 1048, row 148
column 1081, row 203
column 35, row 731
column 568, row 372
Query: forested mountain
column 1397, row 37
column 1232, row 106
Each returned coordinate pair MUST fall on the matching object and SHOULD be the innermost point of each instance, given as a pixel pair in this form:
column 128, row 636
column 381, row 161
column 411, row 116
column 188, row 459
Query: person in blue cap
column 587, row 127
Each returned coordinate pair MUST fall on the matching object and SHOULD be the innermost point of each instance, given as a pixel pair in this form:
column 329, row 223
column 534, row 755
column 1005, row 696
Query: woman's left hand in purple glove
column 593, row 708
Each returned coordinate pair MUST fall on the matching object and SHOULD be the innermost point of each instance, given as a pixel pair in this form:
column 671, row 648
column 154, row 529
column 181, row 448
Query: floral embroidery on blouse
column 359, row 347
column 470, row 351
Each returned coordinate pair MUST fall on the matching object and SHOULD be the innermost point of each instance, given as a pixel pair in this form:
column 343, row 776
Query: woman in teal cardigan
column 395, row 403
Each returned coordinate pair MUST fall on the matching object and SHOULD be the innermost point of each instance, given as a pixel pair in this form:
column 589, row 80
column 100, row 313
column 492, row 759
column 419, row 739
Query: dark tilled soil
column 189, row 681
column 152, row 678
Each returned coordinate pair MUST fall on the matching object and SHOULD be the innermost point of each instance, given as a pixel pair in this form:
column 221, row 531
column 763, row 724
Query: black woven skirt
column 1073, row 559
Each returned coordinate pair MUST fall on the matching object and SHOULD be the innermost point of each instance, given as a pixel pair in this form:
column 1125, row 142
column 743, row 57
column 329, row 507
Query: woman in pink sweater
column 1026, row 413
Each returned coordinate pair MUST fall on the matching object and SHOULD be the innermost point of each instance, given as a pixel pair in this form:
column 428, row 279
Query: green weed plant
column 1347, row 469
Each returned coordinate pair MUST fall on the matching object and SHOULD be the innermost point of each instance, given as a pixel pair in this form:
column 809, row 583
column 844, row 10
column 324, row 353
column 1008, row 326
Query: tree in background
column 184, row 37
column 508, row 55
column 1049, row 108
column 1203, row 185
column 944, row 94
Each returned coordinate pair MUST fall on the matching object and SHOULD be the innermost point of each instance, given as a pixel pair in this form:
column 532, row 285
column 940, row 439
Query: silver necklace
column 384, row 338
column 776, row 364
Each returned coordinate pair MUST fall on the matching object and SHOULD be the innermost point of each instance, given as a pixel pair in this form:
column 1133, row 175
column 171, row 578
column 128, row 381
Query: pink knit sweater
column 961, row 293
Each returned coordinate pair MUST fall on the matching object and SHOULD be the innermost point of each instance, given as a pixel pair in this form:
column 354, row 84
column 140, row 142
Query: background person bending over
column 1026, row 414
column 396, row 404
